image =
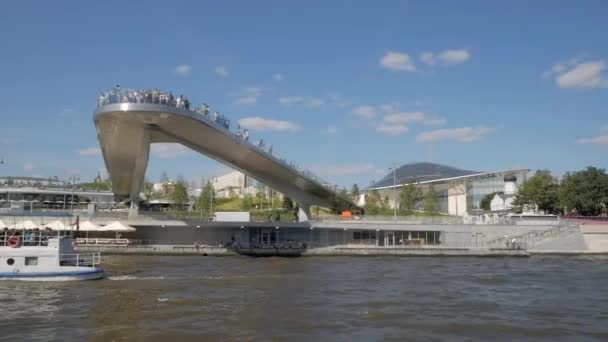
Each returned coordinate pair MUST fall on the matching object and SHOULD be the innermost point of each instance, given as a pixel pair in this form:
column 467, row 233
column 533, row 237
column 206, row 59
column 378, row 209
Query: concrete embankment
column 324, row 251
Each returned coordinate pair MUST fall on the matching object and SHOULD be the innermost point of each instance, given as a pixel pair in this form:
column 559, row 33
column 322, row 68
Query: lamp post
column 394, row 169
column 73, row 179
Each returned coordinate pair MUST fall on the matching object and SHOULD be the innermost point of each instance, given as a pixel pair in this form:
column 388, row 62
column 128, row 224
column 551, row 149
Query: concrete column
column 129, row 142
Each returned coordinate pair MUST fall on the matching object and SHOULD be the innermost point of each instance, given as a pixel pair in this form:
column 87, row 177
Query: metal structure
column 126, row 130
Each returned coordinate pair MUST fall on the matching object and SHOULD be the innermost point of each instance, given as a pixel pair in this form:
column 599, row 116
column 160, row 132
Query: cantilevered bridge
column 126, row 130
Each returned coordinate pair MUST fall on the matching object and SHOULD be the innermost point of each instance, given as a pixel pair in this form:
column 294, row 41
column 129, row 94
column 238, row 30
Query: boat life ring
column 14, row 241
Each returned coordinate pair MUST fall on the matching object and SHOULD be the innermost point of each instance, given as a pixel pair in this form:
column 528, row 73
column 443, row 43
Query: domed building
column 459, row 191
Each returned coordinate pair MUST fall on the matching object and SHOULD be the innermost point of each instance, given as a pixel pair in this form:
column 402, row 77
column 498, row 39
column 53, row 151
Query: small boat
column 45, row 256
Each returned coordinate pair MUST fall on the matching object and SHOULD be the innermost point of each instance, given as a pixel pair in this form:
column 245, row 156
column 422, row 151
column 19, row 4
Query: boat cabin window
column 31, row 261
column 10, row 261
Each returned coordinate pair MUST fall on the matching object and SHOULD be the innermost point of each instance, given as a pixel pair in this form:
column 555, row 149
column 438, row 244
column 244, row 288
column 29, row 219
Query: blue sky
column 346, row 88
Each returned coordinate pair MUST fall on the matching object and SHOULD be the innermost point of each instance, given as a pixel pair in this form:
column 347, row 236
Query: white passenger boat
column 45, row 256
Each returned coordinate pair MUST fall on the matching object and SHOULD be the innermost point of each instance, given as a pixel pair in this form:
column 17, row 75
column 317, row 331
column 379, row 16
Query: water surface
column 313, row 298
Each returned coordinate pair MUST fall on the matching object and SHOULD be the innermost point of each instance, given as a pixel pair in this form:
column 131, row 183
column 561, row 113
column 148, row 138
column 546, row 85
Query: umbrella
column 57, row 225
column 88, row 226
column 27, row 224
column 2, row 225
column 116, row 226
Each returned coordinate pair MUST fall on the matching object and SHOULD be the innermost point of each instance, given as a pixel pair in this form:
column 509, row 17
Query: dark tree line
column 582, row 192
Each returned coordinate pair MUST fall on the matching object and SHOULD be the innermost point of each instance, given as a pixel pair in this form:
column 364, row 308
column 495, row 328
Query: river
column 317, row 299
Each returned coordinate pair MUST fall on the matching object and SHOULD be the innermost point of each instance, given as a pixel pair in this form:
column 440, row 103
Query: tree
column 430, row 201
column 164, row 178
column 287, row 203
column 486, row 201
column 247, row 202
column 355, row 192
column 179, row 196
column 540, row 190
column 206, row 200
column 409, row 196
column 373, row 203
column 585, row 191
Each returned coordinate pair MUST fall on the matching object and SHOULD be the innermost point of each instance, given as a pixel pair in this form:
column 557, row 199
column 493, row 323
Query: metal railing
column 530, row 238
column 80, row 259
column 25, row 238
column 390, row 219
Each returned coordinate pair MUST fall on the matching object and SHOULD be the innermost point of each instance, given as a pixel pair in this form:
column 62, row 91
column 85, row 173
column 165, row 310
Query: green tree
column 373, row 202
column 287, row 203
column 206, row 199
column 409, row 195
column 541, row 190
column 355, row 192
column 585, row 191
column 179, row 196
column 247, row 202
column 430, row 201
column 486, row 201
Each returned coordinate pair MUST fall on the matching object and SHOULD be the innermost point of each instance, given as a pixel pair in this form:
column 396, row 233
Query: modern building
column 39, row 182
column 458, row 191
column 233, row 184
column 53, row 198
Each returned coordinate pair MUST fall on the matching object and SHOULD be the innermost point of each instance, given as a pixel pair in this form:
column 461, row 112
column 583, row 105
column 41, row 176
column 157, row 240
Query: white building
column 233, row 184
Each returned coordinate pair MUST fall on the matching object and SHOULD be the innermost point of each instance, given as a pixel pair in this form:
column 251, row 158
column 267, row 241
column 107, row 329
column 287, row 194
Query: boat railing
column 80, row 259
column 20, row 238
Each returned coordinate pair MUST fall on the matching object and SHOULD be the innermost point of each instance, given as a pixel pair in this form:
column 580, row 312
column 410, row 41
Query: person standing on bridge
column 246, row 134
column 205, row 109
column 216, row 116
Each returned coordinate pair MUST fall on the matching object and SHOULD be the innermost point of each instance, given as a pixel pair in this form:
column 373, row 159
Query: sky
column 344, row 88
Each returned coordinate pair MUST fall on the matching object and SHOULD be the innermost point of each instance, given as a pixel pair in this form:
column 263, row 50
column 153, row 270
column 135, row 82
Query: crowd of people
column 155, row 96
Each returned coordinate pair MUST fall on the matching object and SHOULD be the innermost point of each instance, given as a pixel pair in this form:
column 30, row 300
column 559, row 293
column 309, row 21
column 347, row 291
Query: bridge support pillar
column 134, row 208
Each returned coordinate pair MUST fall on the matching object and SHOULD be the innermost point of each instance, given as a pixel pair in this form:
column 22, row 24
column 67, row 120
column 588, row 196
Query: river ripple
column 309, row 298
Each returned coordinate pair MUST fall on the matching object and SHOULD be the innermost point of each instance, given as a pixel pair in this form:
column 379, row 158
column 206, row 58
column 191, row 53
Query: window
column 31, row 261
column 10, row 261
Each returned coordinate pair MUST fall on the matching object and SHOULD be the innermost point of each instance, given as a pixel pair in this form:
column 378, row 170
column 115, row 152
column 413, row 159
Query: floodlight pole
column 394, row 168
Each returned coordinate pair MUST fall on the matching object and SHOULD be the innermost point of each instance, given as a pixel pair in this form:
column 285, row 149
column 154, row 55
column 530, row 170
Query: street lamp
column 394, row 169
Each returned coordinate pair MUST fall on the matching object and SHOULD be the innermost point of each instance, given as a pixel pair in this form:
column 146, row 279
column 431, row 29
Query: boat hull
column 71, row 274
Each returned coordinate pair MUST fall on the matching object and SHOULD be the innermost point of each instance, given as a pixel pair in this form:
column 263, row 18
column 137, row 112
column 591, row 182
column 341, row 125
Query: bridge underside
column 126, row 130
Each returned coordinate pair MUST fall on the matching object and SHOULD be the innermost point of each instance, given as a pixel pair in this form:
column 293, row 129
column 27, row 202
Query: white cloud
column 330, row 130
column 392, row 129
column 397, row 61
column 277, row 77
column 405, row 117
column 583, row 75
column 366, row 112
column 314, row 102
column 427, row 58
column 29, row 166
column 183, row 70
column 90, row 152
column 290, row 100
column 168, row 150
column 221, row 71
column 577, row 73
column 464, row 134
column 346, row 169
column 452, row 57
column 250, row 97
column 419, row 117
column 601, row 139
column 310, row 102
column 261, row 124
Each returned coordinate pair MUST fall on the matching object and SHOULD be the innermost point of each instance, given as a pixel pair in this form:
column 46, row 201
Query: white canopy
column 88, row 226
column 116, row 226
column 2, row 225
column 27, row 224
column 57, row 225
